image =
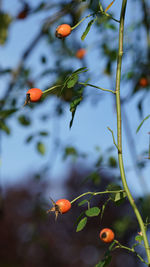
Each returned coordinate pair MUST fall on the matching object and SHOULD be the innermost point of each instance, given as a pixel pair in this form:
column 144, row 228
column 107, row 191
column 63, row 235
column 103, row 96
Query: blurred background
column 41, row 157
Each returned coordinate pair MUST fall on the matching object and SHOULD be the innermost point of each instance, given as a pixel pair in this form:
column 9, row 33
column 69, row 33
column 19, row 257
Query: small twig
column 50, row 89
column 72, row 28
column 113, row 138
column 103, row 89
column 109, row 16
column 129, row 249
column 96, row 193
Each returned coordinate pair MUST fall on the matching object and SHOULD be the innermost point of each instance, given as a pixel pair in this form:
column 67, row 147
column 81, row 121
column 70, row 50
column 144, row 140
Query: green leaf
column 99, row 161
column 41, row 148
column 111, row 247
column 139, row 238
column 4, row 127
column 5, row 20
column 75, row 103
column 24, row 120
column 6, row 113
column 72, row 81
column 112, row 162
column 70, row 151
column 130, row 75
column 82, row 202
column 82, row 214
column 87, row 29
column 142, row 123
column 70, row 77
column 104, row 206
column 94, row 177
column 107, row 257
column 73, row 106
column 100, row 7
column 81, row 224
column 80, row 70
column 122, row 225
column 119, row 196
column 42, row 133
column 94, row 211
column 111, row 26
column 29, row 139
column 104, row 262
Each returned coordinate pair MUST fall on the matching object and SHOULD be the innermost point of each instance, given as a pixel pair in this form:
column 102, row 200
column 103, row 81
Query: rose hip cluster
column 62, row 206
column 62, row 31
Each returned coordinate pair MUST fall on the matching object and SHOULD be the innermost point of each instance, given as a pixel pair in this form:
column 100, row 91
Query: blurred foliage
column 5, row 20
column 28, row 236
column 63, row 70
column 31, row 237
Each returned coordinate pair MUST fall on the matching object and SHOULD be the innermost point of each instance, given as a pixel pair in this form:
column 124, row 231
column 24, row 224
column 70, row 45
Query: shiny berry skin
column 107, row 235
column 64, row 205
column 81, row 53
column 63, row 30
column 34, row 94
column 143, row 82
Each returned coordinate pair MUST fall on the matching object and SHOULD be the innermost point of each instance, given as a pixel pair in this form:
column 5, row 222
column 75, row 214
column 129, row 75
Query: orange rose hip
column 81, row 53
column 33, row 95
column 63, row 30
column 61, row 206
column 143, row 82
column 64, row 205
column 107, row 235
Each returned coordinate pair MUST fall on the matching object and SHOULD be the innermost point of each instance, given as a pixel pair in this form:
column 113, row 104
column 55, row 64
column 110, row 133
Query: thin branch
column 72, row 28
column 51, row 89
column 97, row 193
column 113, row 138
column 103, row 89
column 119, row 131
column 129, row 249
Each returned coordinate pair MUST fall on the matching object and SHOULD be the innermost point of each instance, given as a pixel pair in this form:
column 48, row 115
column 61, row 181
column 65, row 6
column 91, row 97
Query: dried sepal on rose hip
column 61, row 206
column 63, row 30
column 107, row 235
column 33, row 95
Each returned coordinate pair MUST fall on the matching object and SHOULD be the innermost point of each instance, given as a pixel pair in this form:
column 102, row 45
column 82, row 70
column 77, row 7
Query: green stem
column 119, row 131
column 103, row 89
column 113, row 138
column 96, row 193
column 109, row 16
column 72, row 28
column 129, row 249
column 51, row 88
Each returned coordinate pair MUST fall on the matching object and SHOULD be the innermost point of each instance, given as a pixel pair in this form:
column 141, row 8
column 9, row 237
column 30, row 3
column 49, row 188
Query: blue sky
column 90, row 125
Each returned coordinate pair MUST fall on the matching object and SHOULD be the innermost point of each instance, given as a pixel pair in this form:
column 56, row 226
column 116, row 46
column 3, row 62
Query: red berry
column 61, row 206
column 33, row 95
column 81, row 53
column 107, row 235
column 22, row 15
column 64, row 205
column 143, row 82
column 63, row 30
